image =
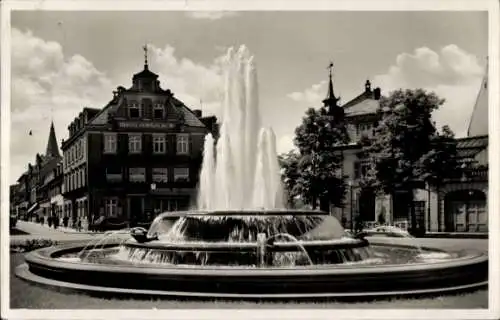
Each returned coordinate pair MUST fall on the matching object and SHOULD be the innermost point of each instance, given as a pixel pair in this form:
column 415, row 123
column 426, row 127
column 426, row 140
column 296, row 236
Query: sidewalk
column 38, row 226
column 37, row 231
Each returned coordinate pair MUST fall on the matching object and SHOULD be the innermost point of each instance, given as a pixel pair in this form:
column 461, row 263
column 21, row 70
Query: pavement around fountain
column 439, row 243
column 27, row 295
column 38, row 231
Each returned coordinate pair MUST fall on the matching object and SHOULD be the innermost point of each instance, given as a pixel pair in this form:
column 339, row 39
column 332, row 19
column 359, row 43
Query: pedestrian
column 79, row 225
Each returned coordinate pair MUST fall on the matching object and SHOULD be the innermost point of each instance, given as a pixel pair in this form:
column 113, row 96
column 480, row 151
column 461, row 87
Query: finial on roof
column 145, row 48
column 368, row 86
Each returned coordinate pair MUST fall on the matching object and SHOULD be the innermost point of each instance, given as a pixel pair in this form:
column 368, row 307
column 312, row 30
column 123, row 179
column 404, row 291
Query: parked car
column 387, row 231
column 108, row 224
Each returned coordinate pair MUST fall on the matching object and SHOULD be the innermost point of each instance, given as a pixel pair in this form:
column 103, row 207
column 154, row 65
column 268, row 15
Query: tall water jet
column 262, row 183
column 246, row 171
column 274, row 171
column 206, row 194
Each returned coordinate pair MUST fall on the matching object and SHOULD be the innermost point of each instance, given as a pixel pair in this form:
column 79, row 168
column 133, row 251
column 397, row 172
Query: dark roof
column 469, row 147
column 364, row 103
column 366, row 106
column 477, row 142
column 145, row 74
column 190, row 119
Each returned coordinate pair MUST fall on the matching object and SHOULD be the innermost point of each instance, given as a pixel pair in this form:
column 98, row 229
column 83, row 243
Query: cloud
column 285, row 144
column 189, row 81
column 451, row 73
column 44, row 79
column 211, row 15
column 312, row 95
column 47, row 85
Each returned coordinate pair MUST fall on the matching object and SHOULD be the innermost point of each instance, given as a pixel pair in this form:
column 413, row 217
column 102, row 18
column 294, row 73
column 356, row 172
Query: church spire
column 330, row 100
column 52, row 148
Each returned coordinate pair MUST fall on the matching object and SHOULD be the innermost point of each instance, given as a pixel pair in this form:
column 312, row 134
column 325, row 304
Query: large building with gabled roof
column 138, row 156
column 460, row 204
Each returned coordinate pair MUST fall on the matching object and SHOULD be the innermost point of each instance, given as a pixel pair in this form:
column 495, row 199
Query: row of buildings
column 141, row 154
column 137, row 156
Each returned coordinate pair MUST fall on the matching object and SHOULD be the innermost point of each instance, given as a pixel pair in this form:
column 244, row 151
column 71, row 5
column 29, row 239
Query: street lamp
column 350, row 204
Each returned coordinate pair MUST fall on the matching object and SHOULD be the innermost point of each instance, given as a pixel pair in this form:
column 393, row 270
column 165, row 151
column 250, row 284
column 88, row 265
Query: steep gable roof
column 478, row 124
column 365, row 103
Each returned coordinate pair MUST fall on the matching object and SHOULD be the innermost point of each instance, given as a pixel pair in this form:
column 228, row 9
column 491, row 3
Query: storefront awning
column 33, row 207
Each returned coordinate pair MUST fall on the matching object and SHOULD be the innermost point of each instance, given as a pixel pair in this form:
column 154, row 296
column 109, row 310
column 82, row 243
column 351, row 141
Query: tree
column 405, row 145
column 317, row 139
column 290, row 174
column 441, row 162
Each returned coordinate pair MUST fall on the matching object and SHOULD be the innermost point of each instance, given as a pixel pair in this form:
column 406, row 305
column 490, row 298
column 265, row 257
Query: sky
column 64, row 61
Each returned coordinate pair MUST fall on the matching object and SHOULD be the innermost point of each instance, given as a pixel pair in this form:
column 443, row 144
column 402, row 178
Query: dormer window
column 158, row 111
column 134, row 111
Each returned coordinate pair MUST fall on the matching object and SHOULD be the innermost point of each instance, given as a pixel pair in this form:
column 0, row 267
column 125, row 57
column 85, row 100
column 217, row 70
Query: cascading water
column 245, row 174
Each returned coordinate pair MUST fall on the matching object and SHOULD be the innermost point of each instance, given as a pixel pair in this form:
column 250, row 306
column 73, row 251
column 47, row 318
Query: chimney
column 376, row 93
column 197, row 113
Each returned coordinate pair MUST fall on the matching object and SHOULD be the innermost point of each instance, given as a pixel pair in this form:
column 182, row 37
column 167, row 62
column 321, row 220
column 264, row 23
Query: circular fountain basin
column 235, row 272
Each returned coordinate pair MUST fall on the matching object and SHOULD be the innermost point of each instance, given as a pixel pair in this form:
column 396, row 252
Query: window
column 80, row 149
column 137, row 175
column 135, row 143
column 158, row 111
column 361, row 168
column 182, row 144
column 134, row 111
column 181, row 174
column 160, row 174
column 82, row 178
column 109, row 143
column 113, row 174
column 365, row 129
column 111, row 207
column 159, row 144
column 84, row 147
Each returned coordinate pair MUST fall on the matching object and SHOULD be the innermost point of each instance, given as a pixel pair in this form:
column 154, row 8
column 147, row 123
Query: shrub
column 31, row 244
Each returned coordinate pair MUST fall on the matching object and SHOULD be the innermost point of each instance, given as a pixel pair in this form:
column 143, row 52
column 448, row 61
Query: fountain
column 241, row 241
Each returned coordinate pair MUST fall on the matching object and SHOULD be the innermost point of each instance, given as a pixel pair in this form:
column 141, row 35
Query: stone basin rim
column 45, row 257
column 22, row 271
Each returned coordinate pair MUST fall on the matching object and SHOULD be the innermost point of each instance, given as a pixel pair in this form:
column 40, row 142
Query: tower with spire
column 52, row 150
column 335, row 111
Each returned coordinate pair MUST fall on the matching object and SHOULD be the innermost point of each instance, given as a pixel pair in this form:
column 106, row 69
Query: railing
column 402, row 224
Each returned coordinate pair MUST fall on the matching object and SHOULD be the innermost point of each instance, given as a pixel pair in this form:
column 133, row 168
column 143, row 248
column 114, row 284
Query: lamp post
column 350, row 204
column 464, row 179
column 153, row 188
